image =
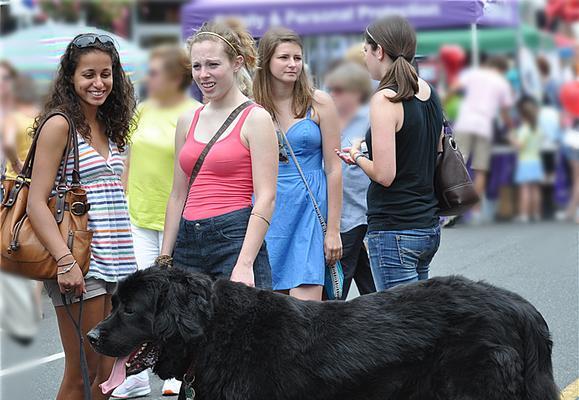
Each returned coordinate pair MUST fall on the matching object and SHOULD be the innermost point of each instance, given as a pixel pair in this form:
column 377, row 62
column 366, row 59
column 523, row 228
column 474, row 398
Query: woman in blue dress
column 297, row 248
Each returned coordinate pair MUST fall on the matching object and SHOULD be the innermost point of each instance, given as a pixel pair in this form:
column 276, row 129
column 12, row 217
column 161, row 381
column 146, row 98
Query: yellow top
column 23, row 126
column 530, row 143
column 152, row 156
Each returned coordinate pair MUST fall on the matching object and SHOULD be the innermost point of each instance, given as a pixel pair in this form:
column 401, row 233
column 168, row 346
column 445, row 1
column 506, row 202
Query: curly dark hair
column 117, row 111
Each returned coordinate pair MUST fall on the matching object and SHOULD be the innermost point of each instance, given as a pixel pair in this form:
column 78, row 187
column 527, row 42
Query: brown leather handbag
column 452, row 183
column 22, row 252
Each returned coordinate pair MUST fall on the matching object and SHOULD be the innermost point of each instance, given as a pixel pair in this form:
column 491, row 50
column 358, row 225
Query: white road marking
column 31, row 364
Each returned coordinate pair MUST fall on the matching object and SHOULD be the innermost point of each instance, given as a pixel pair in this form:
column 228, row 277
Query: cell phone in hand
column 364, row 148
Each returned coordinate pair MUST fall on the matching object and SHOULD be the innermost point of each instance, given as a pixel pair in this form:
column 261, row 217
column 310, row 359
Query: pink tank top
column 225, row 181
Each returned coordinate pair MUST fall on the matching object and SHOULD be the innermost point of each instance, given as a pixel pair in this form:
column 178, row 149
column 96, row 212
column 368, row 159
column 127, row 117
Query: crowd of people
column 498, row 118
column 364, row 149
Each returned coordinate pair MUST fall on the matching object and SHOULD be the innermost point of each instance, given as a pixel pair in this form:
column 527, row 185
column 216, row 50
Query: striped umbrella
column 36, row 51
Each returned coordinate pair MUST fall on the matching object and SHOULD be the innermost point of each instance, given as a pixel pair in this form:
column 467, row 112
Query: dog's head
column 158, row 319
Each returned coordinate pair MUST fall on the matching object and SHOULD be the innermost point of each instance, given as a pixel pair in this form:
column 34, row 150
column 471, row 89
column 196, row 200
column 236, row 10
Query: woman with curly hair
column 92, row 90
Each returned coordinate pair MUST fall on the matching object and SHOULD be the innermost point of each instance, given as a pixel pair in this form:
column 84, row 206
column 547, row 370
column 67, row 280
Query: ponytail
column 402, row 76
column 398, row 41
column 247, row 49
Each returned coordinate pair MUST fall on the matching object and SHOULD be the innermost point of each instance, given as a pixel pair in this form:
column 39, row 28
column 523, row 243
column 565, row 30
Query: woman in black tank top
column 406, row 124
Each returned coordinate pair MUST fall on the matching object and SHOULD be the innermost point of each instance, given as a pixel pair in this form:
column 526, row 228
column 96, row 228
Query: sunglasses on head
column 90, row 39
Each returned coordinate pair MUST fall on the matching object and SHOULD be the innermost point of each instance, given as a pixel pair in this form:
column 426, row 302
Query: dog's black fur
column 444, row 338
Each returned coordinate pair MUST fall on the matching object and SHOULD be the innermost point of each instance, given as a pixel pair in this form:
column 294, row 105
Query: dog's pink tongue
column 118, row 375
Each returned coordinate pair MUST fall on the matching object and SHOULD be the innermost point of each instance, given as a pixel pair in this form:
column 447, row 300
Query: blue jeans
column 403, row 256
column 212, row 246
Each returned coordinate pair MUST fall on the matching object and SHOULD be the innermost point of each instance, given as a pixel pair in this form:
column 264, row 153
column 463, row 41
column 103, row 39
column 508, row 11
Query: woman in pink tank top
column 218, row 226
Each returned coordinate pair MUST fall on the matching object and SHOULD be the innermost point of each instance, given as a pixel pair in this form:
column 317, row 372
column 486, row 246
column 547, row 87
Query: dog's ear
column 184, row 309
column 192, row 320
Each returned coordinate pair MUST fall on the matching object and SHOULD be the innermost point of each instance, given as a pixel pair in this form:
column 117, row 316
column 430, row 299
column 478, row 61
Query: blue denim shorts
column 212, row 246
column 402, row 256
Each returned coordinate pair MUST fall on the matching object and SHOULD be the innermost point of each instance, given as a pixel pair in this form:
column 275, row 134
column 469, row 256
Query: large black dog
column 445, row 339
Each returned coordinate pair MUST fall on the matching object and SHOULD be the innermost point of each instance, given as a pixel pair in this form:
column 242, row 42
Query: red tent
column 568, row 10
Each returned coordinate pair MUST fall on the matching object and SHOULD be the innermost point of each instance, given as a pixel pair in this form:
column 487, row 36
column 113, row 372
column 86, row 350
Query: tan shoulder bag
column 22, row 252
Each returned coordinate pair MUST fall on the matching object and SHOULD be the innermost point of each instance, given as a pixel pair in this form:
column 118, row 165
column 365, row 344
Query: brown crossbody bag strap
column 209, row 145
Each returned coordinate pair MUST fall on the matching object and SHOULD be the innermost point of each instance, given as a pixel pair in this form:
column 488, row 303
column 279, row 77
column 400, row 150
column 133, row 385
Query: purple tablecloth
column 502, row 170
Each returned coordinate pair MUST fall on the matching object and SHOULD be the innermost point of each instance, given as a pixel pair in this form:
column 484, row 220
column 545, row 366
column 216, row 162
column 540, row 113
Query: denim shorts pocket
column 234, row 231
column 412, row 248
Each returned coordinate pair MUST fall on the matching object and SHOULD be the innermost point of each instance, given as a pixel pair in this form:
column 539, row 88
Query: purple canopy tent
column 328, row 17
column 345, row 16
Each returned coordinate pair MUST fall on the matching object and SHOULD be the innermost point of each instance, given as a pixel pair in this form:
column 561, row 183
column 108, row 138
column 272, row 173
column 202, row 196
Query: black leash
column 83, row 363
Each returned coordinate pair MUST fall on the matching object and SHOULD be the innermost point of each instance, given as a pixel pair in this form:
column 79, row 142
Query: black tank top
column 409, row 202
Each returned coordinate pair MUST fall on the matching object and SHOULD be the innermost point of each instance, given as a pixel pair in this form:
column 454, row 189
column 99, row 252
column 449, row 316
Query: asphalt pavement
column 538, row 261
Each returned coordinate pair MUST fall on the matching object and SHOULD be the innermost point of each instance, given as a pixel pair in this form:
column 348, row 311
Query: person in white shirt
column 487, row 94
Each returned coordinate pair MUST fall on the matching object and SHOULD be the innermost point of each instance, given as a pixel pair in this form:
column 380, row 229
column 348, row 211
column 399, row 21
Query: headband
column 370, row 35
column 220, row 37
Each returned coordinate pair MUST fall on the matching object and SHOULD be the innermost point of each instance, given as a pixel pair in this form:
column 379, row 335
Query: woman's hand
column 332, row 247
column 344, row 154
column 71, row 281
column 244, row 274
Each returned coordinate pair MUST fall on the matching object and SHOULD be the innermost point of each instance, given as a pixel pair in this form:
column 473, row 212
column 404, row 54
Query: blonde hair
column 236, row 40
column 303, row 91
column 351, row 76
column 175, row 63
column 355, row 53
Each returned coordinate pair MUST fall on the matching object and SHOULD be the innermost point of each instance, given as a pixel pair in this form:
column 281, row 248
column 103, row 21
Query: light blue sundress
column 295, row 240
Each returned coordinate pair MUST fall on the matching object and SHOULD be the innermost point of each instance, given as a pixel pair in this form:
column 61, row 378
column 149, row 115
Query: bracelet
column 66, row 270
column 262, row 217
column 66, row 255
column 360, row 154
column 164, row 261
column 65, row 265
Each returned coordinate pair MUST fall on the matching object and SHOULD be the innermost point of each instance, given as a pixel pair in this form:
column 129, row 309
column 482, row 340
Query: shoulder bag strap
column 26, row 172
column 209, row 145
column 447, row 127
column 302, row 175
